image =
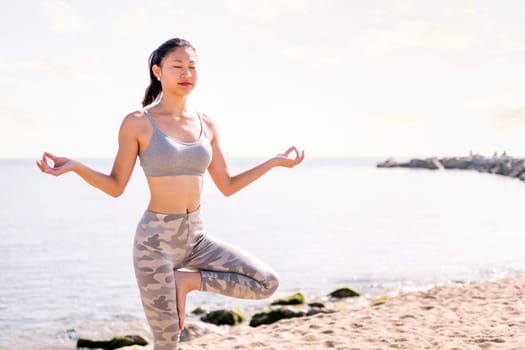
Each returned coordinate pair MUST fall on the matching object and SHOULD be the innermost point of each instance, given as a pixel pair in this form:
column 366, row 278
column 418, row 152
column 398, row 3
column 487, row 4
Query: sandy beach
column 488, row 315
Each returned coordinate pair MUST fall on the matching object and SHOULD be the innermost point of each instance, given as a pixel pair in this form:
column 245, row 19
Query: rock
column 316, row 310
column 379, row 301
column 296, row 299
column 224, row 317
column 389, row 163
column 193, row 330
column 437, row 164
column 431, row 163
column 494, row 169
column 502, row 168
column 501, row 165
column 316, row 304
column 274, row 315
column 344, row 293
column 457, row 163
column 199, row 310
column 115, row 343
column 518, row 168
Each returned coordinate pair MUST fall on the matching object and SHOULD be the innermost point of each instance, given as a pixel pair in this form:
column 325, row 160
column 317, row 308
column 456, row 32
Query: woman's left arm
column 229, row 184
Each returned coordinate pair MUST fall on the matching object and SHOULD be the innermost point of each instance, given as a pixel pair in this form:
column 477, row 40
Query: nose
column 186, row 72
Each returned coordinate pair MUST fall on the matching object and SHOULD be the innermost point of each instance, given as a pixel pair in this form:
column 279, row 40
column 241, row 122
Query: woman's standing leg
column 154, row 270
column 157, row 291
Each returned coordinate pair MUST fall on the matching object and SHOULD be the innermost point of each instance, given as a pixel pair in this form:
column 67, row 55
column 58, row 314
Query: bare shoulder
column 136, row 122
column 210, row 126
column 135, row 117
column 206, row 119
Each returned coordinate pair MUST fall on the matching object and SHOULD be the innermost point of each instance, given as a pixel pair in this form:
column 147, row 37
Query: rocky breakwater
column 501, row 165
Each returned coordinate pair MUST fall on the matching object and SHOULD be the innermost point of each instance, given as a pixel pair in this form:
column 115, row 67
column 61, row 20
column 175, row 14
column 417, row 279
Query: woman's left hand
column 60, row 165
column 285, row 160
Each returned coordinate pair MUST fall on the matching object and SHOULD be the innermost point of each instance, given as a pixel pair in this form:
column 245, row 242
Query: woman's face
column 178, row 71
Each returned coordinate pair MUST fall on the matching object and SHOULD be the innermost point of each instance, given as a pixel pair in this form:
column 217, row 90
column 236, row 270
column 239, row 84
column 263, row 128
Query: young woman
column 176, row 146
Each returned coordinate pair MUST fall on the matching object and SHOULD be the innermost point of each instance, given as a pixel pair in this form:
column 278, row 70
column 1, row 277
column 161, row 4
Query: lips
column 185, row 84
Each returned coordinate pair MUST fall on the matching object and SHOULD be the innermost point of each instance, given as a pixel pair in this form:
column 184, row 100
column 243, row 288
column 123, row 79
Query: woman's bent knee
column 270, row 286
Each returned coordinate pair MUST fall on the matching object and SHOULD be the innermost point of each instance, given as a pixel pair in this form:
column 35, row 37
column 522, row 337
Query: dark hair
column 155, row 88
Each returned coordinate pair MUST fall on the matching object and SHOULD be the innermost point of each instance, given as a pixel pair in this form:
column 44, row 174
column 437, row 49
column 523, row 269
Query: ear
column 156, row 70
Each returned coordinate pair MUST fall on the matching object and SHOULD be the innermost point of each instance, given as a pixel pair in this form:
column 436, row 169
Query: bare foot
column 185, row 282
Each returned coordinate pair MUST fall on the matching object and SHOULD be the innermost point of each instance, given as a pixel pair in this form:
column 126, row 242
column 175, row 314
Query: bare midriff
column 175, row 194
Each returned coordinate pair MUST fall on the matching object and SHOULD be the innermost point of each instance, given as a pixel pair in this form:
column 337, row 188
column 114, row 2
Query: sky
column 337, row 78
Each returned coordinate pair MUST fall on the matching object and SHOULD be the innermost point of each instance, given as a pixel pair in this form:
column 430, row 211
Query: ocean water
column 65, row 247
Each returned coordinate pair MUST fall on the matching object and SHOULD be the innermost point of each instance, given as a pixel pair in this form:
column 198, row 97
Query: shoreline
column 484, row 315
column 461, row 315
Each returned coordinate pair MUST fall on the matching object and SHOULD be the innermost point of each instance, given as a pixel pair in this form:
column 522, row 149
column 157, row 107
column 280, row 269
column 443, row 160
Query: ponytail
column 152, row 92
column 154, row 89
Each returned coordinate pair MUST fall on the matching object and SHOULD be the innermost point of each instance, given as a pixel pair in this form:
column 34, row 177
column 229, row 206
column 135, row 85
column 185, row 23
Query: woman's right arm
column 114, row 183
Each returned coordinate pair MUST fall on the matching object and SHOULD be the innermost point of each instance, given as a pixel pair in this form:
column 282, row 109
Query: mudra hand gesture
column 285, row 160
column 60, row 166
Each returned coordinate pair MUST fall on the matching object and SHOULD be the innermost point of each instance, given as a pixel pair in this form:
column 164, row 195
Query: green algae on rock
column 296, row 299
column 271, row 316
column 379, row 301
column 114, row 343
column 344, row 292
column 224, row 317
column 199, row 310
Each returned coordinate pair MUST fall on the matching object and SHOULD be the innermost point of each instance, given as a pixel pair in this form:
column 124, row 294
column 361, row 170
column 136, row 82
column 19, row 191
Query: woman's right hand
column 60, row 166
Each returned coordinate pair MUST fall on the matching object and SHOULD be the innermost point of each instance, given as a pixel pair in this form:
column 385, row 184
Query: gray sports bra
column 166, row 156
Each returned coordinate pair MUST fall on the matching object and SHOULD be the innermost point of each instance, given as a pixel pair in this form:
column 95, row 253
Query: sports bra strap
column 203, row 130
column 150, row 119
column 147, row 114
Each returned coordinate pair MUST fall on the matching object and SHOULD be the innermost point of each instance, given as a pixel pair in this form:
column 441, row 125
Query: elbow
column 227, row 188
column 117, row 189
column 227, row 192
column 116, row 192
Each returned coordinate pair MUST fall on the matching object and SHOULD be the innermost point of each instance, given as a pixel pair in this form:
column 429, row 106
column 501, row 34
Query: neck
column 175, row 105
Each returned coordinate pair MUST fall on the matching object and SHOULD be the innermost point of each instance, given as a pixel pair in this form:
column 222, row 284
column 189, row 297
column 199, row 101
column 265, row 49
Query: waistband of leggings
column 153, row 215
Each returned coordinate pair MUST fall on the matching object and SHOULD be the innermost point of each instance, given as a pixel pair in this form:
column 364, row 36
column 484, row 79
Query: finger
column 42, row 165
column 46, row 170
column 52, row 172
column 299, row 158
column 50, row 156
column 39, row 165
column 288, row 151
column 45, row 158
column 296, row 153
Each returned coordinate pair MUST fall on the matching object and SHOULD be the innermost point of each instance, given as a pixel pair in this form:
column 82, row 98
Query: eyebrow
column 175, row 60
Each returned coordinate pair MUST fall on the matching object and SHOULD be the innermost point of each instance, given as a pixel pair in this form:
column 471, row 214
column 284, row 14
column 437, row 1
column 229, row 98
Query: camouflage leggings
column 167, row 242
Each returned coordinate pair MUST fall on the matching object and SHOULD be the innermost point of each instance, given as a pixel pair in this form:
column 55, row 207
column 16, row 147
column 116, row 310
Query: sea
column 66, row 248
